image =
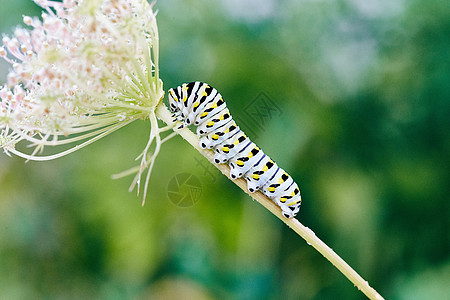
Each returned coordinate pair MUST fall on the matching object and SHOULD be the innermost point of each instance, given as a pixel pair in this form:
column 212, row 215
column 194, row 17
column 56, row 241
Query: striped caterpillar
column 202, row 105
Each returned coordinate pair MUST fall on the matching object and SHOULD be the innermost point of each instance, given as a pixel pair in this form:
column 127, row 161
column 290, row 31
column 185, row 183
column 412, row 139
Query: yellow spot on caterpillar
column 227, row 130
column 196, row 104
column 184, row 99
column 226, row 149
column 204, row 114
column 203, row 90
column 250, row 155
column 221, row 118
column 236, row 142
column 215, row 137
column 292, row 194
column 271, row 189
column 214, row 105
column 255, row 176
column 281, row 180
column 210, row 124
column 283, row 200
column 265, row 168
column 240, row 163
column 293, row 203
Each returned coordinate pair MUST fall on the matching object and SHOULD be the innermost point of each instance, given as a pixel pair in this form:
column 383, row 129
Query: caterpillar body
column 200, row 104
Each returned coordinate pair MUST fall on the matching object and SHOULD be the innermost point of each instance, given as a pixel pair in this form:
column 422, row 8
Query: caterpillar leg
column 290, row 211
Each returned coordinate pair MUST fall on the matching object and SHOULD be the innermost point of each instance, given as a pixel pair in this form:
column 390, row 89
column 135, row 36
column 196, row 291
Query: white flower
column 86, row 69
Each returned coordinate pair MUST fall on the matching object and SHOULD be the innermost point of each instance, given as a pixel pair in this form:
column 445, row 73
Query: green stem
column 307, row 234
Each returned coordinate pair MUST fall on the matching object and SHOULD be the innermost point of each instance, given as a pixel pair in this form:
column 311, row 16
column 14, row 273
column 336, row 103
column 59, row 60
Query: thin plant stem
column 71, row 150
column 307, row 234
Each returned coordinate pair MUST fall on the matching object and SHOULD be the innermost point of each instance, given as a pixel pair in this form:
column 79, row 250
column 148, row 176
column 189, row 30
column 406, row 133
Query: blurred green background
column 361, row 109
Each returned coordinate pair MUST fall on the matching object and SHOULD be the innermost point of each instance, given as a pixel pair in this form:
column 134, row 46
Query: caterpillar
column 199, row 104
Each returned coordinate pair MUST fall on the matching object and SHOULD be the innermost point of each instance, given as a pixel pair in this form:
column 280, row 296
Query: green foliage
column 364, row 100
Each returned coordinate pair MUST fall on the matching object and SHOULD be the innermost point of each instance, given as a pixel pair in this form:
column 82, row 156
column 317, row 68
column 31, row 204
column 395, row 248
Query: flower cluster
column 86, row 69
column 82, row 71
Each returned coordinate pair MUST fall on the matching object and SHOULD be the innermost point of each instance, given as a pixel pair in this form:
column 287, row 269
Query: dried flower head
column 82, row 71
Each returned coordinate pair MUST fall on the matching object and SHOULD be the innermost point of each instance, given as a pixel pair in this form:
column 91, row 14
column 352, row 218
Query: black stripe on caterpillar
column 202, row 105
